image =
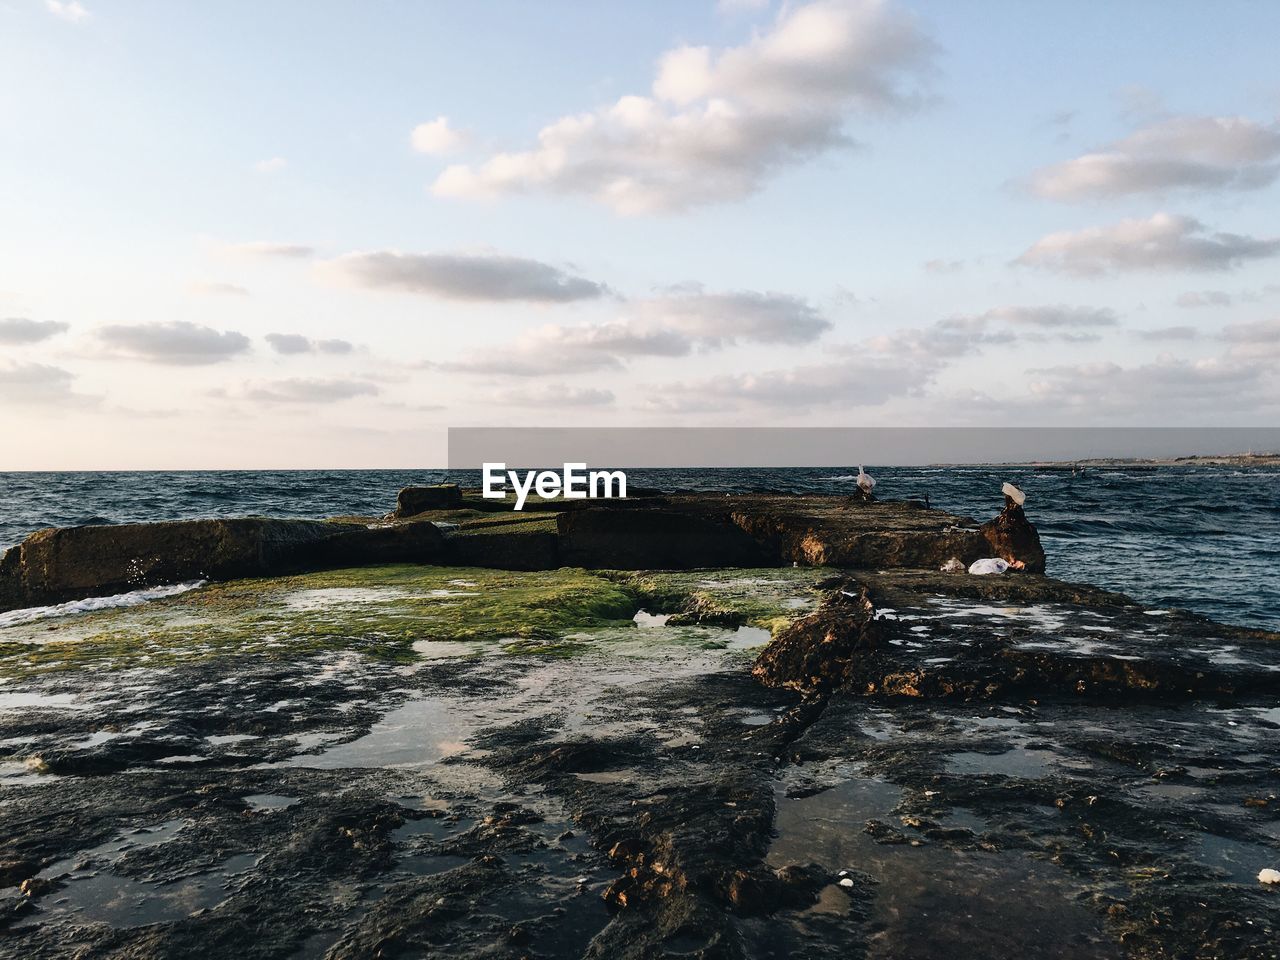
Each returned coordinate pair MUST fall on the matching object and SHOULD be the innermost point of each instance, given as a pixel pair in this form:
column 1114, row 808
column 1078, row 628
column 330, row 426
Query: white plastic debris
column 988, row 565
column 1269, row 876
column 954, row 565
column 1013, row 493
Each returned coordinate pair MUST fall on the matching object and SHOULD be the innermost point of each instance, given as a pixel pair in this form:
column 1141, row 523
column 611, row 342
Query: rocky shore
column 680, row 725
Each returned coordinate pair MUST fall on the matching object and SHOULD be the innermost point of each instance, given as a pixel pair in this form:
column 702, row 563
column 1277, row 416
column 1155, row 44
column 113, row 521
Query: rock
column 1269, row 876
column 524, row 544
column 1013, row 537
column 71, row 563
column 819, row 652
column 415, row 500
column 654, row 539
column 17, row 870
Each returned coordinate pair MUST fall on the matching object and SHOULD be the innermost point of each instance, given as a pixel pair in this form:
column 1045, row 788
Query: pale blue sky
column 156, row 159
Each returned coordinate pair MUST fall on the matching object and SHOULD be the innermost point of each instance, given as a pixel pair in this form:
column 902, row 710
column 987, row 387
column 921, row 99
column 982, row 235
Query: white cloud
column 943, row 266
column 314, row 391
column 267, row 248
column 437, row 138
column 719, row 124
column 456, row 276
column 1055, row 317
column 716, row 319
column 70, row 11
column 215, row 289
column 558, row 395
column 15, row 331
column 557, row 349
column 672, row 325
column 1258, row 340
column 1204, row 298
column 1169, row 333
column 740, row 6
column 271, row 165
column 1232, row 153
column 1166, row 391
column 851, row 384
column 179, row 343
column 290, row 344
column 38, row 384
column 1163, row 242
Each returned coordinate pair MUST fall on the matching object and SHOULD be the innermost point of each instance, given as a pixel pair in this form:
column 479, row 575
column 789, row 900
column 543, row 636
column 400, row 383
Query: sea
column 1201, row 538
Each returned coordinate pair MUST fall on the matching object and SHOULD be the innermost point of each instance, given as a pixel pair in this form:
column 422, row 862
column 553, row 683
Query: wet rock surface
column 445, row 525
column 406, row 762
column 70, row 563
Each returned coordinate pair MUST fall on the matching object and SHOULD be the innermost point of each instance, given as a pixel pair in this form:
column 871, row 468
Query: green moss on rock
column 379, row 611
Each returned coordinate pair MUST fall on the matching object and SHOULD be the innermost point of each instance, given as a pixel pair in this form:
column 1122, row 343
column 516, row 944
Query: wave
column 133, row 598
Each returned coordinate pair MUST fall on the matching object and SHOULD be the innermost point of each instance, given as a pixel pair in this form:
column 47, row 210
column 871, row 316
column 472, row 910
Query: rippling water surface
column 1204, row 538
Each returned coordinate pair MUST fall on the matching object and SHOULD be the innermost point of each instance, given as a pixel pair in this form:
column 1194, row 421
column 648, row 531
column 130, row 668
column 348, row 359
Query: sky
column 245, row 235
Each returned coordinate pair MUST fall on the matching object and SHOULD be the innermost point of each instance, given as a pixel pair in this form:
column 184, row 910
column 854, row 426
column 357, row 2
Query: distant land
column 1197, row 460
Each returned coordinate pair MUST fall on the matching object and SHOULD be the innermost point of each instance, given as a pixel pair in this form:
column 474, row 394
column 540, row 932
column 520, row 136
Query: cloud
column 266, row 248
column 852, row 384
column 1258, row 340
column 1168, row 333
column 558, row 395
column 310, row 391
column 215, row 289
column 290, row 344
column 943, row 266
column 271, row 165
column 437, row 138
column 1163, row 242
column 38, row 384
column 740, row 6
column 1055, row 317
column 1155, row 392
column 15, row 331
column 470, row 277
column 1207, row 153
column 719, row 124
column 581, row 348
column 70, row 11
column 1204, row 298
column 672, row 325
column 716, row 319
column 179, row 343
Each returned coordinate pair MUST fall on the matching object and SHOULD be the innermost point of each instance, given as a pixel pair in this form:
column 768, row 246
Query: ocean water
column 1202, row 538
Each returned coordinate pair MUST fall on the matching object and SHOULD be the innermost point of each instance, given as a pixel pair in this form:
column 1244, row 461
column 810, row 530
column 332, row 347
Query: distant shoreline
column 1198, row 460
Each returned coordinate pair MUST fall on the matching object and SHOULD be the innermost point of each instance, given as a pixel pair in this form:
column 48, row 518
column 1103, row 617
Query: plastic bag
column 988, row 565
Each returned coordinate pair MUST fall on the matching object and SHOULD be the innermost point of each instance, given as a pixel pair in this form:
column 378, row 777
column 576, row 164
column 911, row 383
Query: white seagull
column 866, row 483
column 1013, row 493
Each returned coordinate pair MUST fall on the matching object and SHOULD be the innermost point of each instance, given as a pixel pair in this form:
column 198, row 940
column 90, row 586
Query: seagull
column 1013, row 493
column 865, row 481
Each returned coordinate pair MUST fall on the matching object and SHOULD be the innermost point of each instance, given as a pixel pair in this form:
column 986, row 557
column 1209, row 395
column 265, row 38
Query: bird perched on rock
column 866, row 483
column 1013, row 493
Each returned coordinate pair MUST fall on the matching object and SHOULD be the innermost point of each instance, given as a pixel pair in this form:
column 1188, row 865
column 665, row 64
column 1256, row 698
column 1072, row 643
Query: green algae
column 378, row 611
column 385, row 612
column 771, row 598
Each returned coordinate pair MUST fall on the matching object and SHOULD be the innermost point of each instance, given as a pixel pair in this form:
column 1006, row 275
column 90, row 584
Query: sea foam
column 131, row 599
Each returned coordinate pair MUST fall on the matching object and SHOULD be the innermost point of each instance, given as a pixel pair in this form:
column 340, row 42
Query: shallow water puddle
column 32, row 700
column 324, row 597
column 270, row 801
column 1018, row 762
column 1240, row 859
column 93, row 893
column 423, row 731
column 932, row 901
